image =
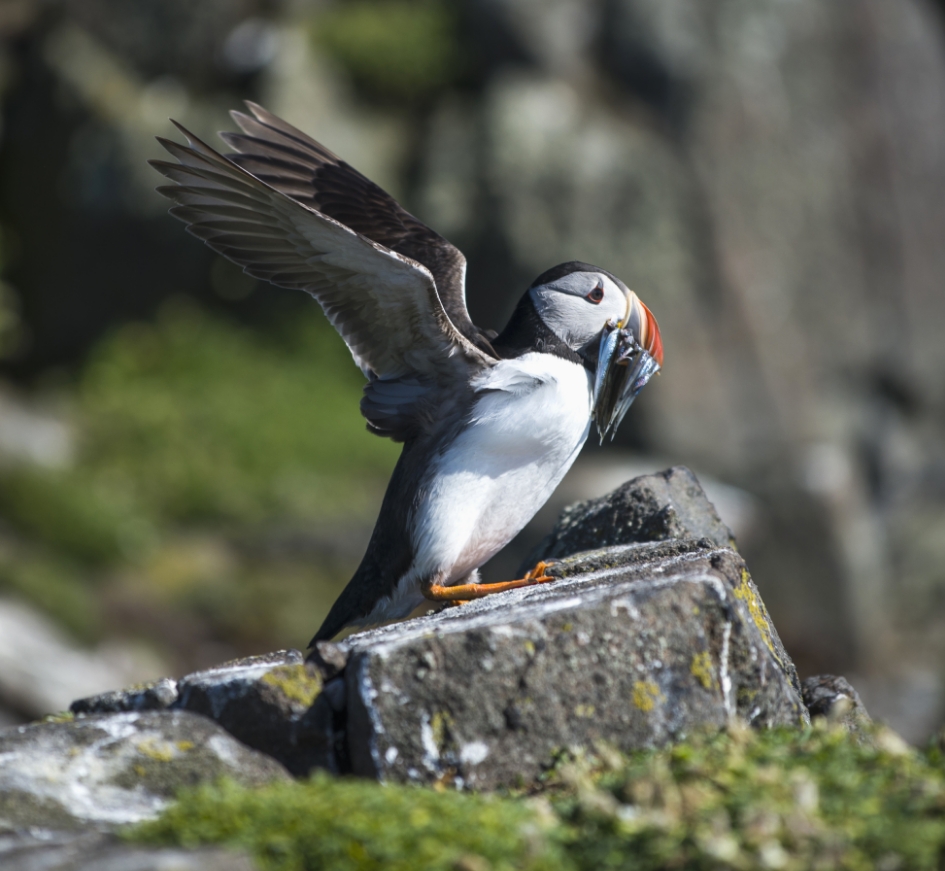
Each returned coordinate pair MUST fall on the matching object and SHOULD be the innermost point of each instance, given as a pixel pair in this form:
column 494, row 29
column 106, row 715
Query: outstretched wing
column 303, row 169
column 385, row 305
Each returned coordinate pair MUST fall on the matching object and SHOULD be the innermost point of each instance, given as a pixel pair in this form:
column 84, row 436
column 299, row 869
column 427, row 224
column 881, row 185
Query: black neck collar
column 526, row 332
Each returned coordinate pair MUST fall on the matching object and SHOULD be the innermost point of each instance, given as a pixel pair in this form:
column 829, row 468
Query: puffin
column 489, row 422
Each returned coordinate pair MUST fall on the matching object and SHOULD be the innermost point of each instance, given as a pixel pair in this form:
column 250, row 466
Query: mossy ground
column 349, row 825
column 784, row 799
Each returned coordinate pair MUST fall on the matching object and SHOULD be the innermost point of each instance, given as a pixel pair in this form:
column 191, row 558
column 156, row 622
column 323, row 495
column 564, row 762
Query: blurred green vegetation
column 784, row 799
column 392, row 49
column 10, row 323
column 198, row 441
column 200, row 420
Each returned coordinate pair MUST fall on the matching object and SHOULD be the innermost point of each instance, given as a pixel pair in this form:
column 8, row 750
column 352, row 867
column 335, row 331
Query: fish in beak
column 630, row 354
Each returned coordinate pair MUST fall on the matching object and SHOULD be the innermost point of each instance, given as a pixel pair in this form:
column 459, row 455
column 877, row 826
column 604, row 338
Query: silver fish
column 623, row 369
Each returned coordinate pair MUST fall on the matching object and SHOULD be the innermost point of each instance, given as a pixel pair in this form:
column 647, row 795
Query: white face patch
column 576, row 307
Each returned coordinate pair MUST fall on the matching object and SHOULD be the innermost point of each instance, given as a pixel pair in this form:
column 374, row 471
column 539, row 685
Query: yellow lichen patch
column 184, row 746
column 585, row 711
column 746, row 696
column 756, row 608
column 701, row 669
column 646, row 695
column 440, row 725
column 160, row 751
column 296, row 682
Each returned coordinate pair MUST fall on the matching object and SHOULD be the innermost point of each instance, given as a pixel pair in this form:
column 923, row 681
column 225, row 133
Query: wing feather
column 295, row 164
column 385, row 305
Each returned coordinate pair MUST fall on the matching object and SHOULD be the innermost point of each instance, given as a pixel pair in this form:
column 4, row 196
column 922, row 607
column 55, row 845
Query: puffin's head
column 576, row 301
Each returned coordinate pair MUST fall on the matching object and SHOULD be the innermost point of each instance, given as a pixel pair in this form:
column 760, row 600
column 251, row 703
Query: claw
column 538, row 574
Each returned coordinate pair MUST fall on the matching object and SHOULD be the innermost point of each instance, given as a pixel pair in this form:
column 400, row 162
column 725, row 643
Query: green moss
column 788, row 799
column 298, row 683
column 347, row 825
column 791, row 799
column 400, row 49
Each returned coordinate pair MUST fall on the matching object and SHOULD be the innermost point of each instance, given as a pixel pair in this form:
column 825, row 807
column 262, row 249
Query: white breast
column 529, row 423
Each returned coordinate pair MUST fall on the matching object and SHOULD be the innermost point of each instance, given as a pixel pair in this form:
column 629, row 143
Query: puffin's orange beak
column 651, row 338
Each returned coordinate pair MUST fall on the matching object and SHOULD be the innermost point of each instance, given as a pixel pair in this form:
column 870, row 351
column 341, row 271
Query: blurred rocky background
column 184, row 475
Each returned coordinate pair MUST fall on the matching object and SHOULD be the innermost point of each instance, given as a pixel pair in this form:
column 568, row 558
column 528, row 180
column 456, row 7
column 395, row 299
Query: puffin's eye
column 597, row 294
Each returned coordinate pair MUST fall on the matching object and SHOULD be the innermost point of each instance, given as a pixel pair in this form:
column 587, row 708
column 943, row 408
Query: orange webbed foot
column 466, row 592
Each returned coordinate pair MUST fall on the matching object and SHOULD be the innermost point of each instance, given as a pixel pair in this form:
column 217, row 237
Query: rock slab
column 272, row 703
column 638, row 646
column 655, row 633
column 153, row 696
column 108, row 770
column 95, row 851
column 833, row 698
column 659, row 507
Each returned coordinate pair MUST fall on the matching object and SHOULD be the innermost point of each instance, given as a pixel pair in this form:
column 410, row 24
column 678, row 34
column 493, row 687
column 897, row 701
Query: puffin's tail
column 389, row 554
column 345, row 612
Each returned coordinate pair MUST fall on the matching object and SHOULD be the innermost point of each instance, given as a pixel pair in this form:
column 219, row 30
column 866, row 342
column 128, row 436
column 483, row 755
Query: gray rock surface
column 638, row 646
column 272, row 703
column 832, row 697
column 152, row 696
column 95, row 851
column 106, row 770
column 658, row 507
